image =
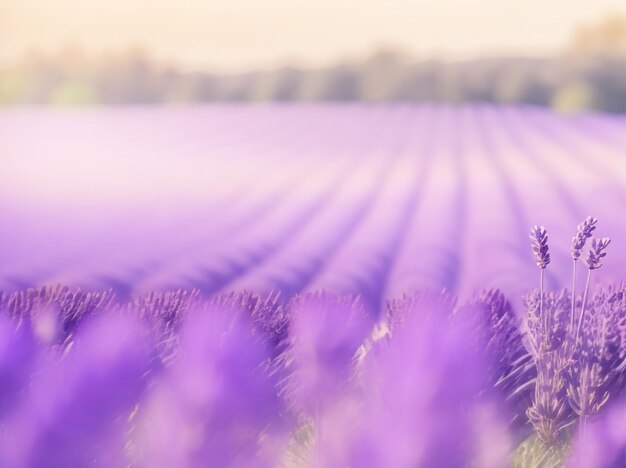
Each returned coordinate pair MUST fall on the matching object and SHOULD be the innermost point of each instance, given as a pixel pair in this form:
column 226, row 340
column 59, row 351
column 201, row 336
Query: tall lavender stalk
column 596, row 253
column 584, row 231
column 539, row 237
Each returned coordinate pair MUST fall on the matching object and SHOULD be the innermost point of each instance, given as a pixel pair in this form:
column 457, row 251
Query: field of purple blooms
column 341, row 286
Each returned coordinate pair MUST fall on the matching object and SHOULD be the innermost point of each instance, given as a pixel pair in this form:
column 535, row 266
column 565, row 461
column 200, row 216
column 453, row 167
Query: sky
column 236, row 35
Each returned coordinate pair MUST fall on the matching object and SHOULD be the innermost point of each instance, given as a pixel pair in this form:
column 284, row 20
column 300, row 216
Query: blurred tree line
column 591, row 74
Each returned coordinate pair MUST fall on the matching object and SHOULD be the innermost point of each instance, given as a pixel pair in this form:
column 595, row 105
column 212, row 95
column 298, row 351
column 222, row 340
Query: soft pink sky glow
column 238, row 34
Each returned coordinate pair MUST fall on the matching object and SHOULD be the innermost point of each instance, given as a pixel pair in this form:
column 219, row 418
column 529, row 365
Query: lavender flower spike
column 585, row 229
column 597, row 252
column 539, row 236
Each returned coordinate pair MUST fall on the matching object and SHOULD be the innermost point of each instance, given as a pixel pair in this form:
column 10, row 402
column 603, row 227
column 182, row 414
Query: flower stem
column 318, row 435
column 583, row 426
column 582, row 312
column 541, row 311
column 571, row 325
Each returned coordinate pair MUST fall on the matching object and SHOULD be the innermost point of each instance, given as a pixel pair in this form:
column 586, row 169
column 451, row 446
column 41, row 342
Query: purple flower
column 17, row 358
column 497, row 330
column 78, row 410
column 70, row 306
column 551, row 349
column 421, row 403
column 539, row 238
column 325, row 333
column 596, row 253
column 603, row 444
column 267, row 314
column 584, row 232
column 546, row 334
column 417, row 306
column 216, row 405
column 595, row 373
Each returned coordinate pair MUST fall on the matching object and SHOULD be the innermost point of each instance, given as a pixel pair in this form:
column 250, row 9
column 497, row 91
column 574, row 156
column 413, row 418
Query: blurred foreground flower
column 216, row 405
column 76, row 411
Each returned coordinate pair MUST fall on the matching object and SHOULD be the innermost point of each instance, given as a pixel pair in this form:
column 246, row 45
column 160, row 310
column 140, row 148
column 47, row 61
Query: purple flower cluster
column 579, row 353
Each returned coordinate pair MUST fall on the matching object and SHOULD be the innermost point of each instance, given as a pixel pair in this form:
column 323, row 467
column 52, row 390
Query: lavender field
column 375, row 201
column 311, row 285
